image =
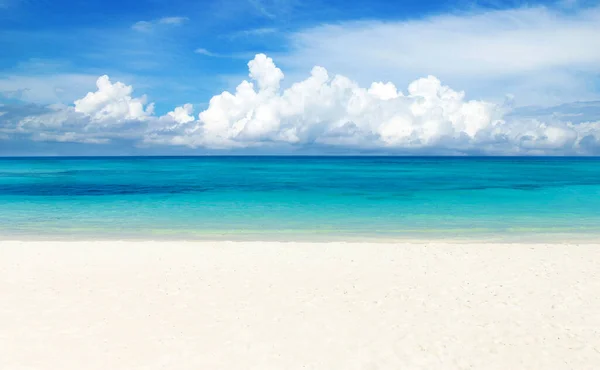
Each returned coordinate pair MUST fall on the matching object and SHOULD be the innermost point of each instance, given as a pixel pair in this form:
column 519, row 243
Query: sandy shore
column 177, row 305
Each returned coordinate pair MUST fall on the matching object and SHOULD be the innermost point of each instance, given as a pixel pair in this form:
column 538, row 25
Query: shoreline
column 270, row 305
column 495, row 238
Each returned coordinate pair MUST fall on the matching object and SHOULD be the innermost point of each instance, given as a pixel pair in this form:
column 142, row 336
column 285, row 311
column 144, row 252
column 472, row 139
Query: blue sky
column 523, row 56
column 85, row 39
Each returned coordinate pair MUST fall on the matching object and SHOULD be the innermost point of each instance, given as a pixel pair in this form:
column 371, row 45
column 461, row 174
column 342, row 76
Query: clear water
column 290, row 198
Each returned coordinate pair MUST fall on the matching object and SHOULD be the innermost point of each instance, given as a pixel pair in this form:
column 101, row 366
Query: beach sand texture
column 225, row 305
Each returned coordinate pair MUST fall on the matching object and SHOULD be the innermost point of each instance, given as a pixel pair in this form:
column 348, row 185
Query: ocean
column 298, row 198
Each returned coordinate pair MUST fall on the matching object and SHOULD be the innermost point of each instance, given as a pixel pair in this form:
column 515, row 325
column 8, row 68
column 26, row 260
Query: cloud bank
column 322, row 111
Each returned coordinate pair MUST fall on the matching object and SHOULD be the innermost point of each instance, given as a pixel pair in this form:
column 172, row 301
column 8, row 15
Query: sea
column 300, row 198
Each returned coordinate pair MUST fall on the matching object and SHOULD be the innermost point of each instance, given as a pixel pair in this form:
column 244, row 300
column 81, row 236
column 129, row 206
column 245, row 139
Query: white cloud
column 320, row 111
column 337, row 112
column 113, row 102
column 182, row 114
column 265, row 73
column 99, row 117
column 489, row 53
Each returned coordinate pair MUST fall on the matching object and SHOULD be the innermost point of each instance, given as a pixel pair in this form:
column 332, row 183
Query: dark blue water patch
column 17, row 175
column 508, row 187
column 87, row 190
column 66, row 173
column 340, row 187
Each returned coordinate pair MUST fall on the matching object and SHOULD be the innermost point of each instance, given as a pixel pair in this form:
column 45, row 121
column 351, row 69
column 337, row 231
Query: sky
column 182, row 77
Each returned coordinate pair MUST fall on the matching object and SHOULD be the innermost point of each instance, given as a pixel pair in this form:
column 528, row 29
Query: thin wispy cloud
column 253, row 32
column 147, row 26
column 5, row 4
column 538, row 54
column 45, row 89
column 173, row 20
column 261, row 8
column 142, row 26
column 208, row 53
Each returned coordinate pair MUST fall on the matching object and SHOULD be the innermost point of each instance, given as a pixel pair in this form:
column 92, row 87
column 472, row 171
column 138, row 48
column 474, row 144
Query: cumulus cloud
column 108, row 113
column 182, row 114
column 335, row 111
column 113, row 102
column 322, row 110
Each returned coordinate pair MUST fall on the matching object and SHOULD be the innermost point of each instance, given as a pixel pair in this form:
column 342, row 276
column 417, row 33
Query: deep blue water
column 298, row 197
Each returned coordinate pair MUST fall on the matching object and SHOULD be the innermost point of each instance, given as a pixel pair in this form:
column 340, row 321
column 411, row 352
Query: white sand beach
column 241, row 305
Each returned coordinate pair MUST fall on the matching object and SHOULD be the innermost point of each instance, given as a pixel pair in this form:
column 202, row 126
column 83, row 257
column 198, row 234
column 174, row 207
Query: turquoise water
column 290, row 198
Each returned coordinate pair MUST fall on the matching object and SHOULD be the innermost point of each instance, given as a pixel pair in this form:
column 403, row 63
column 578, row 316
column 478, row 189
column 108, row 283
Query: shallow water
column 299, row 197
